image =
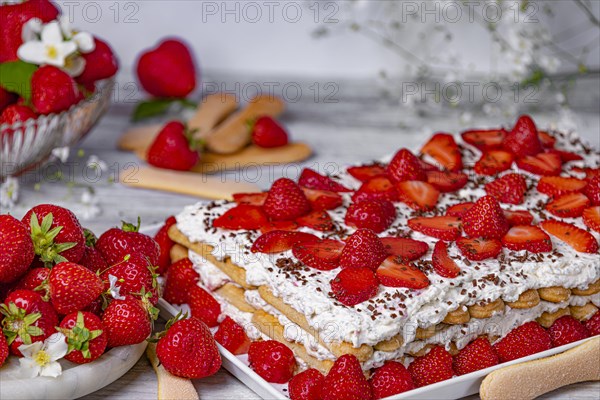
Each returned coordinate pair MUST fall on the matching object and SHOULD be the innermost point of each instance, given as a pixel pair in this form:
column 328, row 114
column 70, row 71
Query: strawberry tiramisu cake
column 471, row 252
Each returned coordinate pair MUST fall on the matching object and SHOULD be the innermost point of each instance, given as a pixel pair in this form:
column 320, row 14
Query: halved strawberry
column 442, row 227
column 365, row 172
column 589, row 172
column 479, row 249
column 484, row 139
column 444, row 150
column 510, row 188
column 406, row 249
column 352, row 286
column 363, row 249
column 442, row 263
column 579, row 239
column 418, row 195
column 279, row 241
column 458, row 210
column 518, row 217
column 426, row 167
column 446, row 181
column 318, row 220
column 493, row 162
column 565, row 156
column 378, row 188
column 523, row 139
column 323, row 255
column 526, row 237
column 254, row 199
column 546, row 164
column 322, row 199
column 394, row 273
column 568, row 205
column 546, row 139
column 592, row 190
column 555, row 186
column 591, row 218
column 405, row 166
column 311, row 179
column 279, row 226
column 243, row 216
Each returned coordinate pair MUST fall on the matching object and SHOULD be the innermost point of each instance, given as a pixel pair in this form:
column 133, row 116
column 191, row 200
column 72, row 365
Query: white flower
column 52, row 49
column 96, row 163
column 31, row 29
column 41, row 359
column 90, row 208
column 115, row 291
column 62, row 153
column 84, row 40
column 9, row 192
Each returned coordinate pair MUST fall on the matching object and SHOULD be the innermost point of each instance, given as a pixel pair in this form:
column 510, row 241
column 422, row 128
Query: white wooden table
column 341, row 132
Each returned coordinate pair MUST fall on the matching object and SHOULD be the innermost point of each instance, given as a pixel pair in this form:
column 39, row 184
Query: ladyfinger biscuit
column 486, row 310
column 235, row 295
column 392, row 344
column 170, row 386
column 548, row 318
column 425, row 333
column 528, row 299
column 458, row 317
column 421, row 352
column 583, row 313
column 554, row 294
column 178, row 252
column 593, row 288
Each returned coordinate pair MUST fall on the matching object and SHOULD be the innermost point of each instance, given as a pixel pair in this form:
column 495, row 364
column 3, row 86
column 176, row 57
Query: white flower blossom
column 9, row 192
column 41, row 358
column 51, row 49
column 31, row 29
column 90, row 208
column 115, row 291
column 96, row 163
column 62, row 153
column 84, row 40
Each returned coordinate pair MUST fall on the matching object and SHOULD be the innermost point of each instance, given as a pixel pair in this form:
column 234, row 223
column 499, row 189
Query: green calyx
column 90, row 238
column 194, row 143
column 43, row 236
column 129, row 227
column 158, row 335
column 79, row 337
column 17, row 323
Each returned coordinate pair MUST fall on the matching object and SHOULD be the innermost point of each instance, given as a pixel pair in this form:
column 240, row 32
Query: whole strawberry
column 389, row 379
column 164, row 243
column 479, row 354
column 523, row 341
column 376, row 215
column 16, row 113
column 405, row 166
column 173, row 148
column 311, row 179
column 3, row 349
column 566, row 330
column 6, row 98
column 509, row 189
column 306, row 385
column 233, row 337
column 16, row 249
column 115, row 244
column 266, row 132
column 203, row 306
column 85, row 336
column 485, row 219
column 592, row 190
column 352, row 286
column 73, row 287
column 363, row 249
column 435, row 366
column 188, row 350
column 33, row 279
column 53, row 90
column 346, row 381
column 100, row 63
column 56, row 233
column 167, row 70
column 523, row 140
column 126, row 322
column 135, row 277
column 593, row 324
column 181, row 277
column 272, row 360
column 286, row 201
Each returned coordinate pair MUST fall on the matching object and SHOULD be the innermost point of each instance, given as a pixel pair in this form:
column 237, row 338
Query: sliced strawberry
column 518, row 217
column 546, row 164
column 485, row 219
column 579, row 239
column 418, row 195
column 443, row 227
column 323, row 255
column 445, row 151
column 509, row 188
column 378, row 188
column 311, row 179
column 322, row 199
column 555, row 186
column 279, row 241
column 446, row 181
column 365, row 172
column 484, row 139
column 405, row 166
column 254, row 199
column 493, row 162
column 279, row 226
column 427, row 167
column 592, row 190
column 591, row 218
column 568, row 205
column 546, row 139
column 565, row 156
column 442, row 263
column 286, row 201
column 479, row 249
column 458, row 210
column 394, row 273
column 352, row 286
column 318, row 220
column 406, row 249
column 363, row 249
column 526, row 237
column 376, row 215
column 523, row 140
column 243, row 216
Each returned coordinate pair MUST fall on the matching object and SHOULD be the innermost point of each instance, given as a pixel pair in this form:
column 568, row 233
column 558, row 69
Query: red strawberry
column 363, row 249
column 253, row 199
column 93, row 260
column 493, row 162
column 53, row 90
column 164, row 244
column 568, row 205
column 405, row 166
column 485, row 139
column 378, row 188
column 16, row 249
column 266, row 132
column 376, row 215
column 509, row 188
column 443, row 227
column 485, row 219
column 115, row 244
column 85, row 336
column 575, row 237
column 458, row 210
column 418, row 195
column 523, row 341
column 435, row 366
column 33, row 279
column 181, row 276
column 541, row 164
column 280, row 241
column 593, row 324
column 100, row 63
column 479, row 249
column 591, row 218
column 168, row 70
column 287, row 225
column 323, row 255
column 567, row 330
column 523, row 140
column 445, row 151
column 188, row 350
column 16, row 113
column 173, row 148
column 73, row 287
column 525, row 237
column 27, row 318
column 243, row 216
column 555, row 186
column 286, row 201
column 546, row 139
column 365, row 172
column 318, row 220
column 518, row 217
column 352, row 286
column 479, row 354
column 346, row 381
column 442, row 263
column 592, row 190
column 406, row 249
column 322, row 199
column 135, row 276
column 56, row 233
column 389, row 379
column 6, row 98
column 306, row 385
column 272, row 360
column 427, row 167
column 446, row 181
column 233, row 337
column 394, row 273
column 203, row 306
column 311, row 179
column 565, row 156
column 4, row 350
column 126, row 322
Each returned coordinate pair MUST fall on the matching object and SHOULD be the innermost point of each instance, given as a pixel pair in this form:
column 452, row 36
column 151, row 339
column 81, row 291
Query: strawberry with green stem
column 85, row 337
column 174, row 148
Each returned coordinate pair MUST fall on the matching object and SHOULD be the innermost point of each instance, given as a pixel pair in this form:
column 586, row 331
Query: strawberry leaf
column 155, row 107
column 15, row 76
